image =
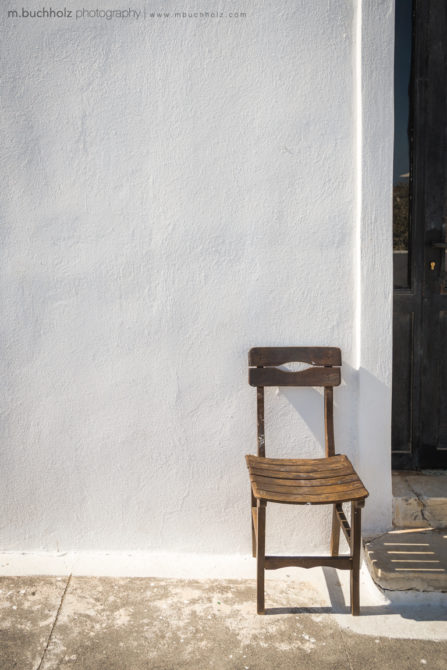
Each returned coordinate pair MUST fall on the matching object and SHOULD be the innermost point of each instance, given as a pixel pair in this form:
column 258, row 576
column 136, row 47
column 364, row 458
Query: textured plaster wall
column 176, row 191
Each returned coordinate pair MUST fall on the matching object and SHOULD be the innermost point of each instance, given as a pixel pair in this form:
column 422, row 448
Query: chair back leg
column 335, row 535
column 260, row 555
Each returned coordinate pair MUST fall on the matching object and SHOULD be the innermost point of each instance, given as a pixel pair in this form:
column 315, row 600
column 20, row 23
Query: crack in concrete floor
column 55, row 622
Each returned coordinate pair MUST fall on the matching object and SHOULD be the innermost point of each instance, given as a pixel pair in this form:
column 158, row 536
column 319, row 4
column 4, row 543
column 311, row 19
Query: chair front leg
column 260, row 556
column 253, row 528
column 356, row 525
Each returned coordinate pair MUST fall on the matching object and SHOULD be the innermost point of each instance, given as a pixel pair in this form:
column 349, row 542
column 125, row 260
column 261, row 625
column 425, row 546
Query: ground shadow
column 298, row 610
column 415, row 611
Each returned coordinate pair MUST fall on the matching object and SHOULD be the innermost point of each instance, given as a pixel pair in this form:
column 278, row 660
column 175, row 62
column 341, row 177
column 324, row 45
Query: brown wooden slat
column 297, row 473
column 312, row 490
column 326, row 500
column 339, row 458
column 294, row 478
column 315, row 499
column 282, row 355
column 307, row 483
column 308, row 377
column 311, row 493
column 330, row 477
column 325, row 468
column 275, row 562
column 344, row 524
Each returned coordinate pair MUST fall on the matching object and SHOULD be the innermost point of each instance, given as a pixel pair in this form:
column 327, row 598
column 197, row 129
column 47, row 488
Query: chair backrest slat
column 310, row 377
column 281, row 355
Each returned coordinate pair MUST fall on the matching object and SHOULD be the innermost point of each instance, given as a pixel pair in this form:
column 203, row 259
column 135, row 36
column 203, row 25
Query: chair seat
column 316, row 481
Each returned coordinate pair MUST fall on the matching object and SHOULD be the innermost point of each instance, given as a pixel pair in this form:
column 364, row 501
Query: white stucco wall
column 176, row 191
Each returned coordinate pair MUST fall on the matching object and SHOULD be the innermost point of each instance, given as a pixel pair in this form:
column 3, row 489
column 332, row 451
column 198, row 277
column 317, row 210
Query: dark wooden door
column 419, row 431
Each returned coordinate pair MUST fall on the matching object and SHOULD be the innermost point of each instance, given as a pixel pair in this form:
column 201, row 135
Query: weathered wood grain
column 283, row 355
column 310, row 377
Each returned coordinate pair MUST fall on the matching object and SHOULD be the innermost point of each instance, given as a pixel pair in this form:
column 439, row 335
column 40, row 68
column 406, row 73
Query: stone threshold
column 408, row 559
column 413, row 556
column 420, row 499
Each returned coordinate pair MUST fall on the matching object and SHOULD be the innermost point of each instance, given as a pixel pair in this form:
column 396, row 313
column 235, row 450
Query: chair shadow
column 411, row 611
column 298, row 610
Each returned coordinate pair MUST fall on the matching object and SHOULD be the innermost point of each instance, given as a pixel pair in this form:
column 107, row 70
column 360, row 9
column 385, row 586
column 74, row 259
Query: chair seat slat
column 295, row 472
column 334, row 464
column 307, row 498
column 299, row 490
column 317, row 462
column 311, row 483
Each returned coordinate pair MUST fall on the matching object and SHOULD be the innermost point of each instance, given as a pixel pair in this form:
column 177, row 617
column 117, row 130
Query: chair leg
column 253, row 529
column 260, row 555
column 356, row 512
column 335, row 535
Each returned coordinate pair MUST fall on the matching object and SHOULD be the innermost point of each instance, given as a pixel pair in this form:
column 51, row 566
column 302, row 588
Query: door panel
column 419, row 351
column 442, row 441
column 403, row 367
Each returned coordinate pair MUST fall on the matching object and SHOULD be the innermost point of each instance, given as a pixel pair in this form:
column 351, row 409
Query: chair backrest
column 325, row 365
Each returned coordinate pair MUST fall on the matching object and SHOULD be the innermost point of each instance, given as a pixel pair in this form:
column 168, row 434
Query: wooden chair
column 321, row 481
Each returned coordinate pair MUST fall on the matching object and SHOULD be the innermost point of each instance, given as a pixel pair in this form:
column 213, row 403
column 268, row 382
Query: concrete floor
column 92, row 623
